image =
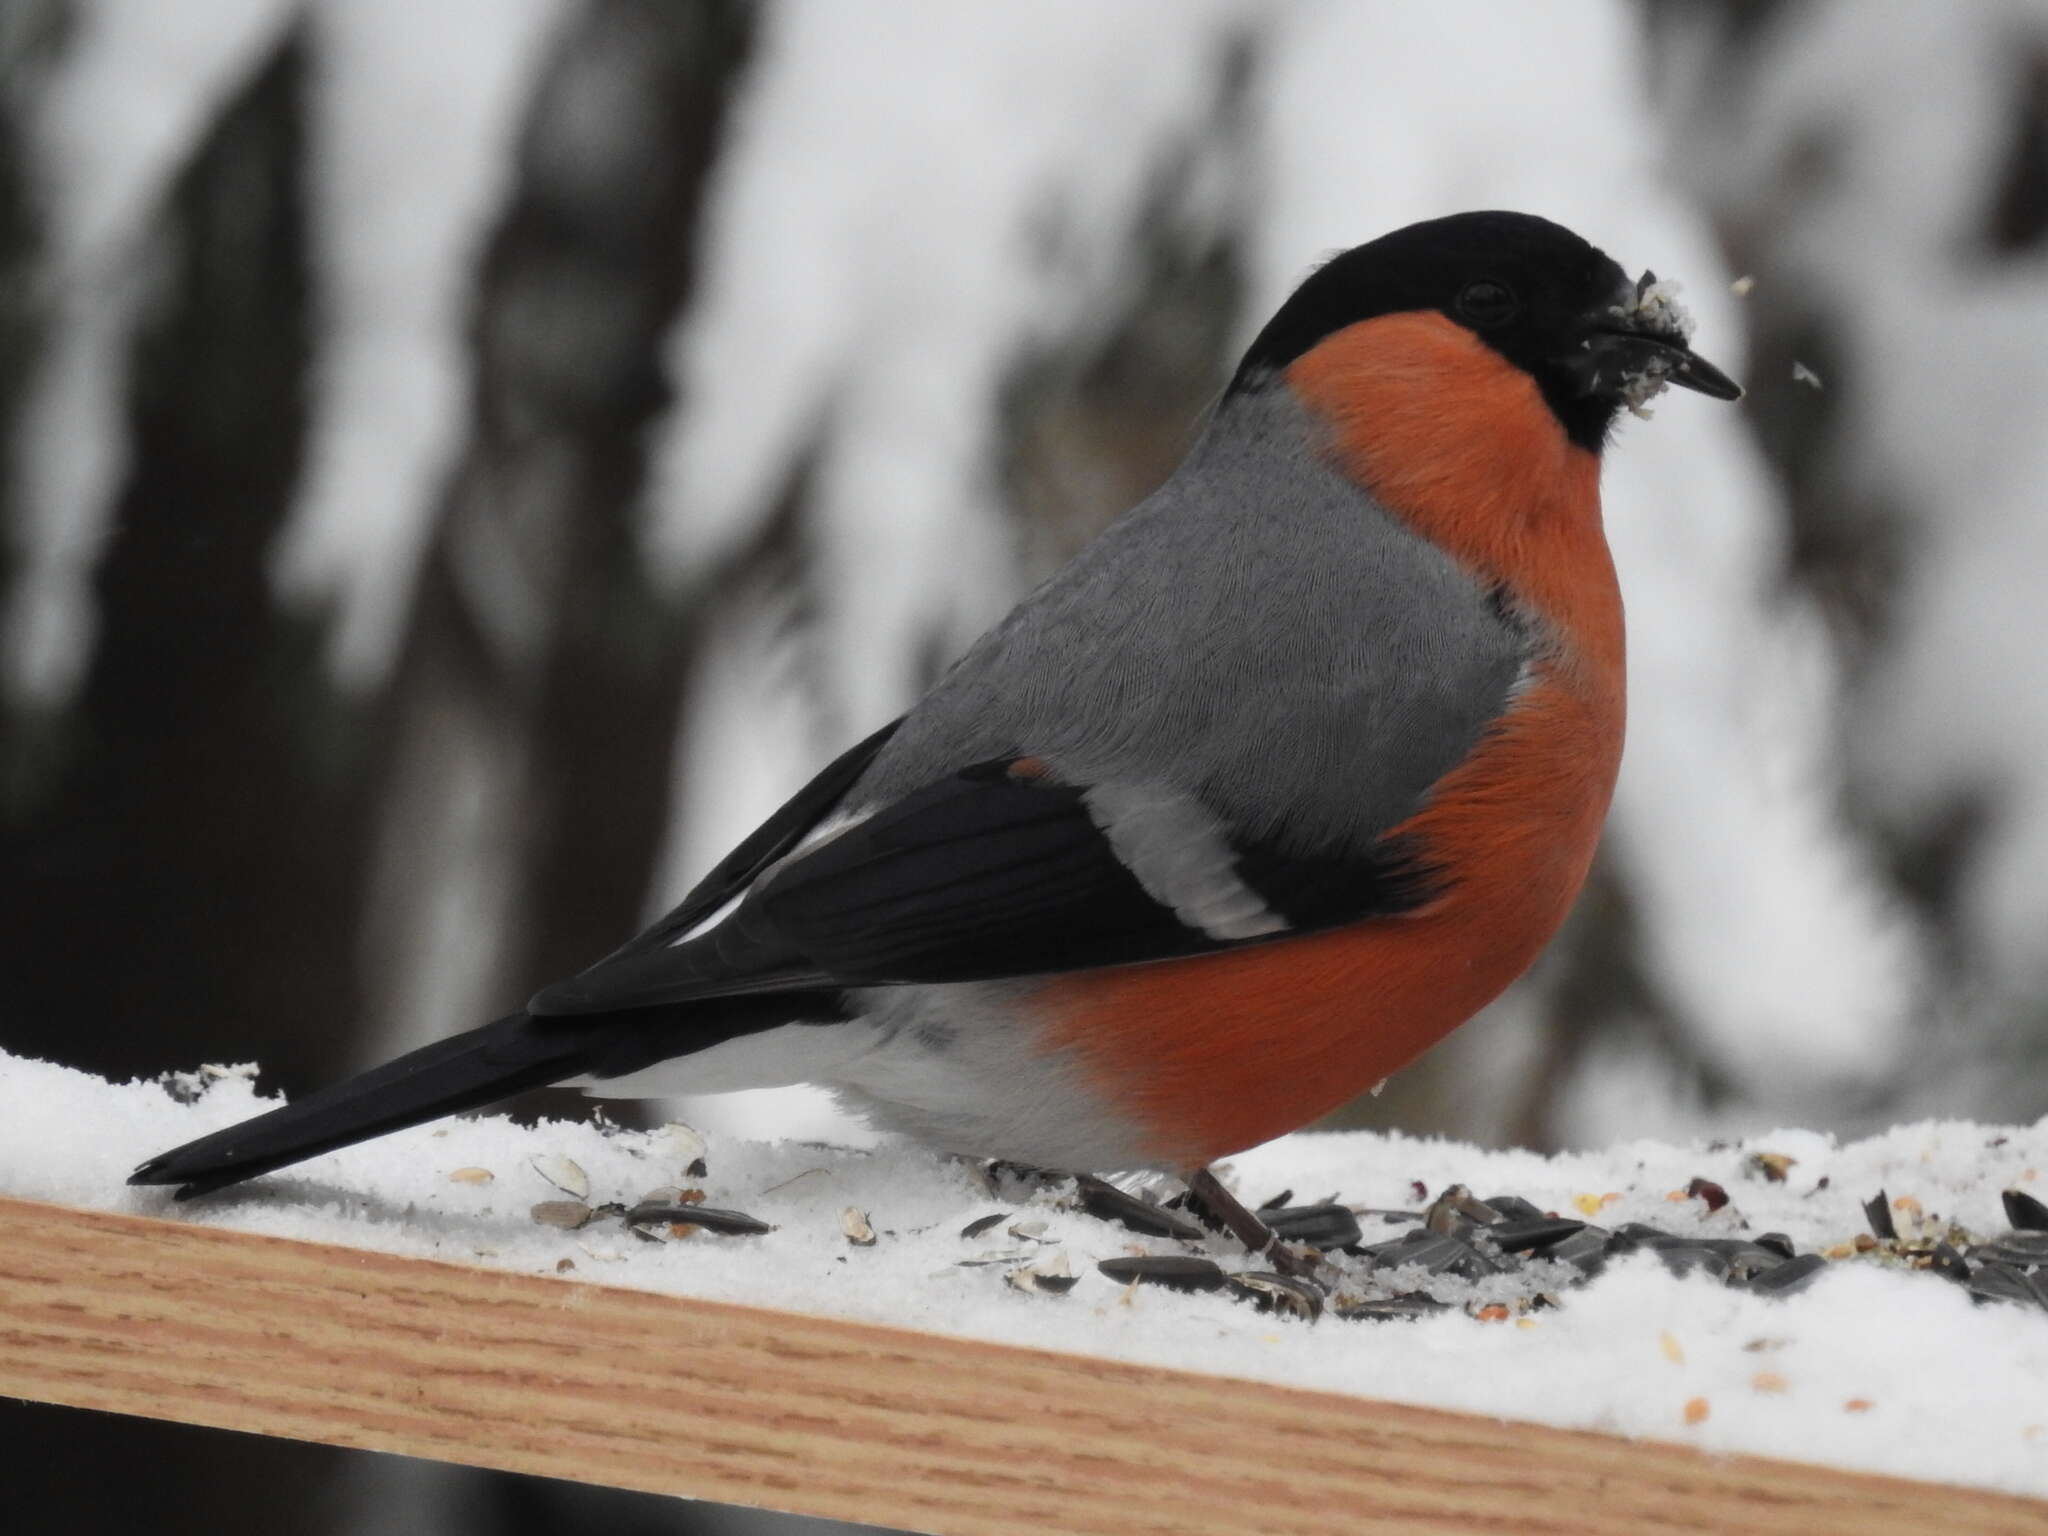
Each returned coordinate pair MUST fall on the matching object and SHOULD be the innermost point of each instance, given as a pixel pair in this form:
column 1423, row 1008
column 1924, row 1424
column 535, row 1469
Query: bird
column 1284, row 776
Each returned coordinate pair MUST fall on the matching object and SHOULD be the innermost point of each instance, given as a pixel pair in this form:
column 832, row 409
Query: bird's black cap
column 1551, row 303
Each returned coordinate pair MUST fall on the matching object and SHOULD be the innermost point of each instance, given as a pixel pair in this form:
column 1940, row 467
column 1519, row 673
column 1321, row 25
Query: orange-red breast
column 1279, row 781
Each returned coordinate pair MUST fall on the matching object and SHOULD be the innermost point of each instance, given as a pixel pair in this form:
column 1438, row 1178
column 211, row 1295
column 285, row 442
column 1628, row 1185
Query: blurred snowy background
column 463, row 461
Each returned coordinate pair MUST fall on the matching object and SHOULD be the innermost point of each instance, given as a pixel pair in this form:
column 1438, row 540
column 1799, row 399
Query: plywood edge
column 819, row 1416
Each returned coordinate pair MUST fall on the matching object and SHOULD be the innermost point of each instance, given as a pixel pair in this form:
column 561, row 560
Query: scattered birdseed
column 1768, row 1382
column 1103, row 1199
column 1294, row 1295
column 2025, row 1212
column 1456, row 1205
column 1325, row 1225
column 646, row 1218
column 1177, row 1272
column 566, row 1214
column 987, row 1260
column 1496, row 1259
column 854, row 1223
column 1049, row 1277
column 470, row 1176
column 1858, row 1405
column 1535, row 1233
column 1388, row 1309
column 1696, row 1410
column 1947, row 1263
column 1706, row 1189
column 1743, row 286
column 683, row 1143
column 1801, row 374
column 671, row 1194
column 1770, row 1165
column 1792, row 1275
column 561, row 1172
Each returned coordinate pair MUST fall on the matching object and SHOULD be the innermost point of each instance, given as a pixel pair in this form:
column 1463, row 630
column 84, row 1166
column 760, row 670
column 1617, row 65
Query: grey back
column 1259, row 632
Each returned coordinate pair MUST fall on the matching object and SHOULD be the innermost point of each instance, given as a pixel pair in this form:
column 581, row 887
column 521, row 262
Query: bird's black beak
column 1608, row 358
column 1632, row 346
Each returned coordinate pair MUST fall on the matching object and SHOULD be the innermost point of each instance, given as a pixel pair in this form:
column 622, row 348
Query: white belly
column 955, row 1067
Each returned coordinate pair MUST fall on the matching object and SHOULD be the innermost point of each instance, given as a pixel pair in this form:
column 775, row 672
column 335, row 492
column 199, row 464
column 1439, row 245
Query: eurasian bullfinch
column 1283, row 778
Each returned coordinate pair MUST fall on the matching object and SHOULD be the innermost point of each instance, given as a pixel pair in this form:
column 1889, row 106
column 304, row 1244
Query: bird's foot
column 1221, row 1208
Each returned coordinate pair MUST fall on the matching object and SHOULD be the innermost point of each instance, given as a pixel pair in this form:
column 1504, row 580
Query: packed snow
column 1870, row 1367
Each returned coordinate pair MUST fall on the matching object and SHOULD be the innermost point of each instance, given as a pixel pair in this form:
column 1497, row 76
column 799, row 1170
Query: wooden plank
column 568, row 1379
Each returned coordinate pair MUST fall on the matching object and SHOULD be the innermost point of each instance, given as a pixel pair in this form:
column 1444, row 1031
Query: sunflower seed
column 1102, row 1199
column 562, row 1173
column 1176, row 1272
column 565, row 1214
column 1269, row 1292
column 854, row 1223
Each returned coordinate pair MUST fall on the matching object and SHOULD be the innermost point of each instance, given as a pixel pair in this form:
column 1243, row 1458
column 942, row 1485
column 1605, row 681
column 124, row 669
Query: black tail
column 514, row 1054
column 445, row 1078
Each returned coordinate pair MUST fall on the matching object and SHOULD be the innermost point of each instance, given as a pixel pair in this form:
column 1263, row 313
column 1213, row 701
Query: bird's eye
column 1488, row 303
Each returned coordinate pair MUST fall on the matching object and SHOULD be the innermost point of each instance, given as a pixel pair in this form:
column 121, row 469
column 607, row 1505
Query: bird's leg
column 1206, row 1191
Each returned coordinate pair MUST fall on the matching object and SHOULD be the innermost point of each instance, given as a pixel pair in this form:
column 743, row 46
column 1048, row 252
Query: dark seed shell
column 1792, row 1275
column 1391, row 1309
column 1455, row 1212
column 1686, row 1258
column 2001, row 1282
column 2024, row 1211
column 1878, row 1211
column 1533, row 1234
column 1279, row 1293
column 709, row 1217
column 1585, row 1250
column 1099, row 1198
column 1325, row 1226
column 1176, row 1272
column 1631, row 1235
column 1450, row 1256
column 1949, row 1264
column 2019, row 1248
column 1038, row 1281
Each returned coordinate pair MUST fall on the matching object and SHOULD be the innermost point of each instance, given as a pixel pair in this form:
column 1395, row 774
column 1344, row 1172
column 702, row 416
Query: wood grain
column 568, row 1379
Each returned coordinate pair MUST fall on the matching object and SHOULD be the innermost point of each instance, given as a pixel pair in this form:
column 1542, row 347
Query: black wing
column 981, row 875
column 768, row 842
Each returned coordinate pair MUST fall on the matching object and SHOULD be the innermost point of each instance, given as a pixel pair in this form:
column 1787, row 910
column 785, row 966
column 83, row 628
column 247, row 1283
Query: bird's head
column 1595, row 340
